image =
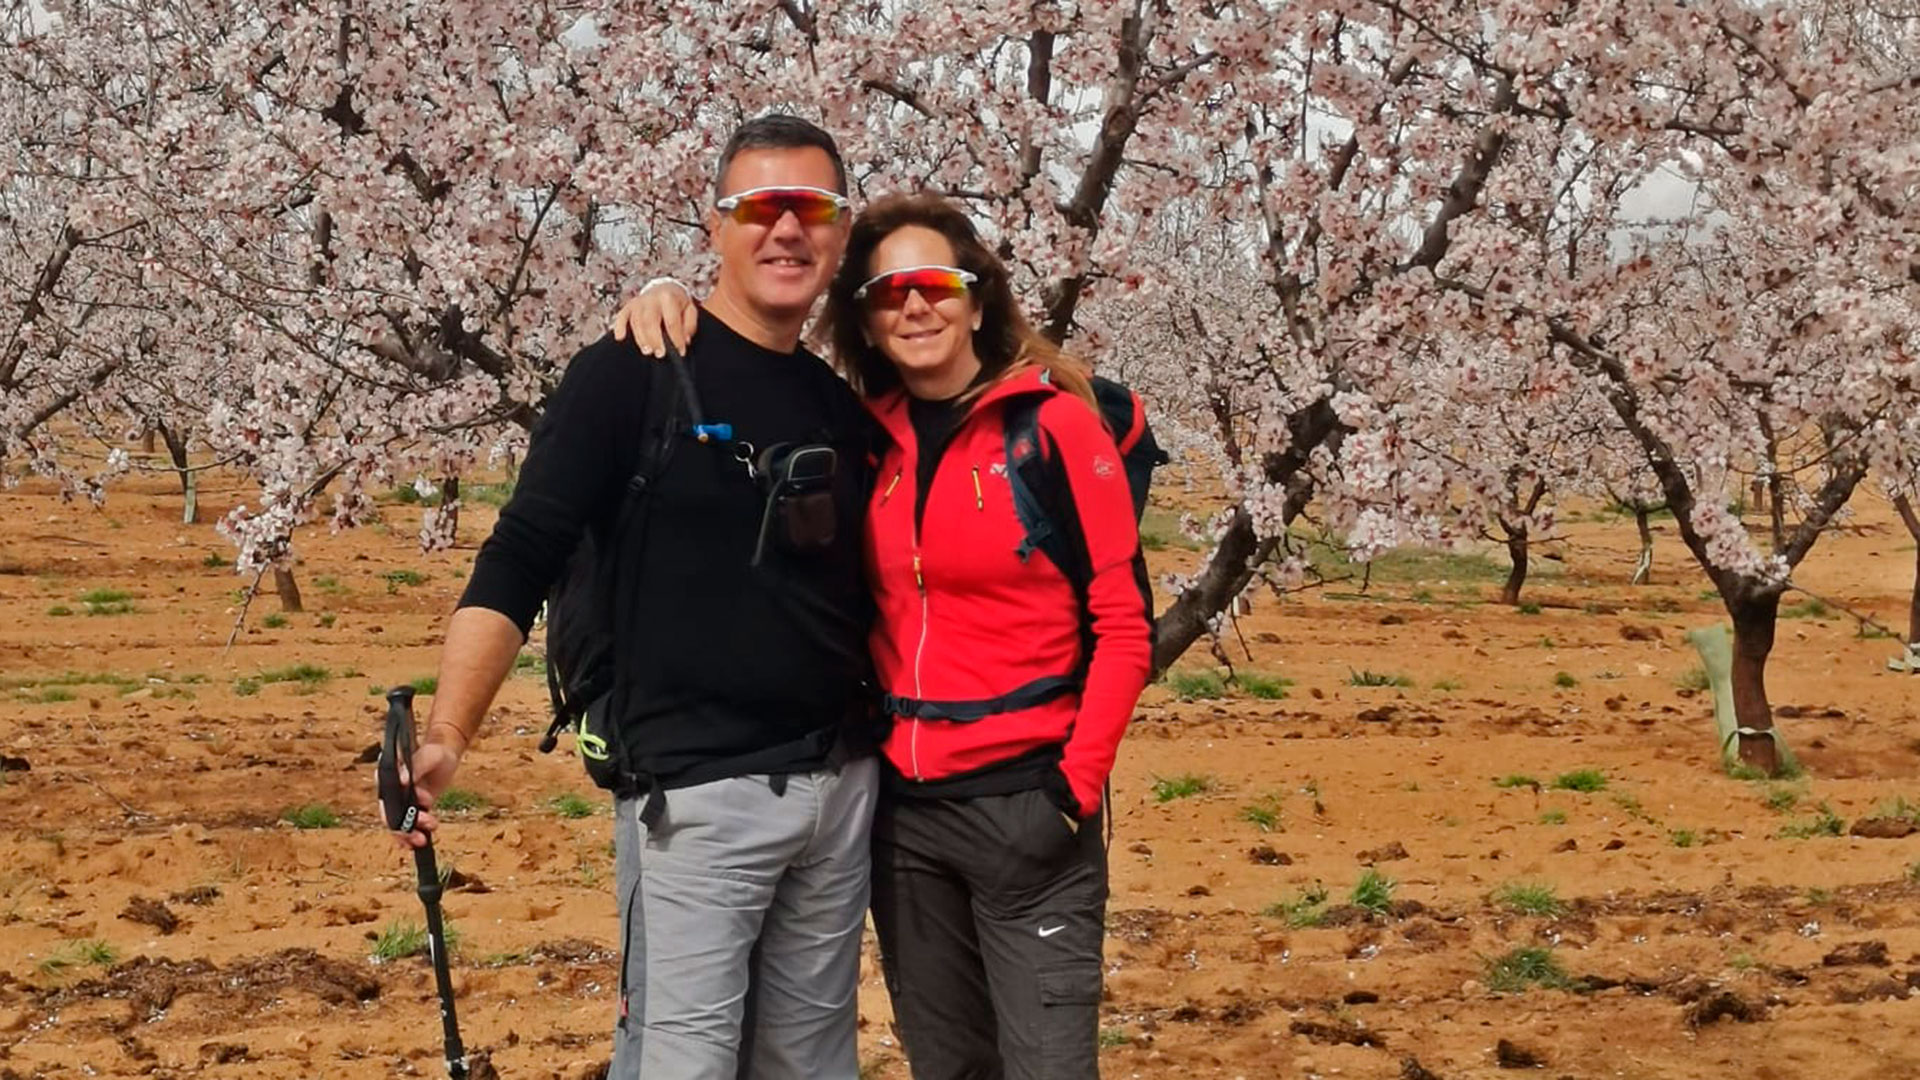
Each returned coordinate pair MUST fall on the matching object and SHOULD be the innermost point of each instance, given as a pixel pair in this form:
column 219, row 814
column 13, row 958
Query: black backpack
column 1044, row 502
column 580, row 619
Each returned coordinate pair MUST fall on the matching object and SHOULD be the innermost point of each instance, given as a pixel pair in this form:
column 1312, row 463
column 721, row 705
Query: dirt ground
column 161, row 916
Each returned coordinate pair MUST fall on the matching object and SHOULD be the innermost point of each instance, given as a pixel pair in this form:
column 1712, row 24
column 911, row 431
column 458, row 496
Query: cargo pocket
column 1070, row 1020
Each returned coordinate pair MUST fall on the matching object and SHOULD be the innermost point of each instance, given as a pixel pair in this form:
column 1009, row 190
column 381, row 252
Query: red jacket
column 963, row 618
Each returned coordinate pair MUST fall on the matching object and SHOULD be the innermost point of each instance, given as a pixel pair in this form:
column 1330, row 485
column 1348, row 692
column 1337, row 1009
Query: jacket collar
column 890, row 408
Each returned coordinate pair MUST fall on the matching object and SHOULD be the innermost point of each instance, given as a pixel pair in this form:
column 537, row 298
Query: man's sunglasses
column 767, row 205
column 933, row 283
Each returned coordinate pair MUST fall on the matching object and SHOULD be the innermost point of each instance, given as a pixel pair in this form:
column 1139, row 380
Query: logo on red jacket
column 1103, row 466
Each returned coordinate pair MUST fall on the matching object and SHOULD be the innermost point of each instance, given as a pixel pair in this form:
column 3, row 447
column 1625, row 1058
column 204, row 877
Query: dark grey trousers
column 991, row 912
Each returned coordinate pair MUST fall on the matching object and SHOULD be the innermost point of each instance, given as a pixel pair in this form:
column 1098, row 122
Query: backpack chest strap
column 1038, row 692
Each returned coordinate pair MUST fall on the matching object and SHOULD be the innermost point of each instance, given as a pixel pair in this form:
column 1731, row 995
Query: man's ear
column 713, row 225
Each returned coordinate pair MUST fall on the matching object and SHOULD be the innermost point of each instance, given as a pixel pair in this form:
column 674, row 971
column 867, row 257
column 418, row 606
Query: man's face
column 778, row 269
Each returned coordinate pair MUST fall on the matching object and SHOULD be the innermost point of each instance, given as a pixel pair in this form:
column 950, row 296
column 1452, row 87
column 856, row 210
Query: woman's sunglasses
column 933, row 283
column 767, row 205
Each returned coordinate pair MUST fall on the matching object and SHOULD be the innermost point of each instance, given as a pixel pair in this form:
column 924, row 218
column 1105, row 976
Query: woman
column 1008, row 704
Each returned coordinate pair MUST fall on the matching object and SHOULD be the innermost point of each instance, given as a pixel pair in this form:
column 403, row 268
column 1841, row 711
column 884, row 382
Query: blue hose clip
column 712, row 432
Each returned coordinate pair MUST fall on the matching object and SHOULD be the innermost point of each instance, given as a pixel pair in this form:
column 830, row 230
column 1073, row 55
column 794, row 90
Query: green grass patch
column 1525, row 968
column 572, row 805
column 1898, row 808
column 1683, row 838
column 59, row 611
column 1814, row 608
column 1304, row 909
column 396, row 578
column 1406, row 565
column 1160, row 530
column 1374, row 892
column 1586, row 780
column 330, row 585
column 311, row 816
column 106, row 601
column 1264, row 687
column 215, row 561
column 1516, row 780
column 1263, row 815
column 307, row 677
column 50, row 695
column 1555, row 816
column 1376, row 678
column 1823, row 823
column 1447, row 684
column 1529, row 898
column 274, row 621
column 1196, row 685
column 1694, row 679
column 402, row 938
column 1780, row 799
column 425, row 684
column 1112, row 1038
column 81, row 952
column 456, row 800
column 325, row 621
column 1169, row 788
column 531, row 664
column 246, row 687
column 495, row 495
column 1529, row 608
column 1565, row 681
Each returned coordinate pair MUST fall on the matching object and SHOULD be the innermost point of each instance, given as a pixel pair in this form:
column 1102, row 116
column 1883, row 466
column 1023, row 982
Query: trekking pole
column 402, row 811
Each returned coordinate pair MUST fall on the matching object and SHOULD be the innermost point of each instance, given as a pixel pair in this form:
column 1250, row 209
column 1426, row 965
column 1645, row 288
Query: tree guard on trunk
column 1716, row 655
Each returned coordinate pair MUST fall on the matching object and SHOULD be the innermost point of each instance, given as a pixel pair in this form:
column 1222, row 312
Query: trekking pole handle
column 398, row 803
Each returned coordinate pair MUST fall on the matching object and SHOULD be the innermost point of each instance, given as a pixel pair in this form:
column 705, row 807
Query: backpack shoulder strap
column 1041, row 497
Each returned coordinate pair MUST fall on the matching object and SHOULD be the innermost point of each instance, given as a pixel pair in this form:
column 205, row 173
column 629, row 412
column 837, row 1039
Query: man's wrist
column 675, row 282
column 448, row 734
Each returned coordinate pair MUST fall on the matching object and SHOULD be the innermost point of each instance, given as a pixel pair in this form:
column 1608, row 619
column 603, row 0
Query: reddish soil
column 148, row 770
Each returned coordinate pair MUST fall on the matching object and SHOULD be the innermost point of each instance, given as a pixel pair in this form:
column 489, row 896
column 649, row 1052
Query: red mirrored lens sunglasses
column 767, row 205
column 933, row 283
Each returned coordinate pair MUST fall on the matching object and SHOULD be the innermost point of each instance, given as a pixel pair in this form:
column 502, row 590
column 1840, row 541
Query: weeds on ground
column 1516, row 780
column 214, row 560
column 1780, row 799
column 81, row 952
column 1564, row 680
column 1376, row 678
column 1695, row 679
column 325, row 621
column 330, row 585
column 397, row 578
column 402, row 938
column 1374, row 892
column 1447, row 684
column 1169, row 788
column 1809, row 609
column 457, row 800
column 1584, row 780
column 1529, row 609
column 1524, row 968
column 530, row 664
column 1898, row 808
column 1264, row 687
column 274, row 621
column 1554, row 817
column 425, row 685
column 311, row 816
column 59, row 610
column 1305, row 909
column 572, row 805
column 246, row 687
column 1263, row 815
column 107, row 601
column 1824, row 823
column 1683, row 838
column 1196, row 685
column 1112, row 1038
column 1529, row 898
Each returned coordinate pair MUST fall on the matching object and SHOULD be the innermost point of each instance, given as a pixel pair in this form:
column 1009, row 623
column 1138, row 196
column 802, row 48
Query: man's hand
column 664, row 309
column 432, row 769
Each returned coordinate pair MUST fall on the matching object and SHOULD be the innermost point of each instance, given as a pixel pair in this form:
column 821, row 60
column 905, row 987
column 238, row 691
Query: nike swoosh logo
column 1049, row 931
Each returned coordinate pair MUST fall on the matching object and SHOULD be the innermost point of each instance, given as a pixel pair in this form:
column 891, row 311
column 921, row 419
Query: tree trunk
column 146, row 441
column 1755, row 609
column 1643, row 520
column 450, row 505
column 1912, row 519
column 189, row 480
column 1517, row 576
column 288, row 589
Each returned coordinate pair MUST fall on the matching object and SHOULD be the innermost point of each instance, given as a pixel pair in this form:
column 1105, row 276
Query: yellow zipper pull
column 888, row 494
column 918, row 581
column 979, row 500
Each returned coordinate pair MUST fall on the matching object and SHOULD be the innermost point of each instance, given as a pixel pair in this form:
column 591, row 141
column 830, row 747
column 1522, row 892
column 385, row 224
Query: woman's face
column 927, row 334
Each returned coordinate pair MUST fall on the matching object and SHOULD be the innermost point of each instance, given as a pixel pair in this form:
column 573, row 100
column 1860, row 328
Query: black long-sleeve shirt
column 718, row 659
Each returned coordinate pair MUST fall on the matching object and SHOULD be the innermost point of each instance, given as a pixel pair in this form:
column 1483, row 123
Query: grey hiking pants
column 742, row 912
column 991, row 913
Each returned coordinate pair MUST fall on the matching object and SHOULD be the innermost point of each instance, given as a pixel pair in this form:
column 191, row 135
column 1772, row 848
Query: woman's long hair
column 1005, row 343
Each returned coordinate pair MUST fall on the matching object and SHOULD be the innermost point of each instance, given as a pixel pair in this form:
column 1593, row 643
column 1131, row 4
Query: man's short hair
column 778, row 131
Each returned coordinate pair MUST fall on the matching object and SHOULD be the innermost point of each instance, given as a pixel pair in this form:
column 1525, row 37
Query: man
column 743, row 863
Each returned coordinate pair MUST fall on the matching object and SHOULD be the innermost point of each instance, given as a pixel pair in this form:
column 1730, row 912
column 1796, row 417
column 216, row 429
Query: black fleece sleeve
column 583, row 449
